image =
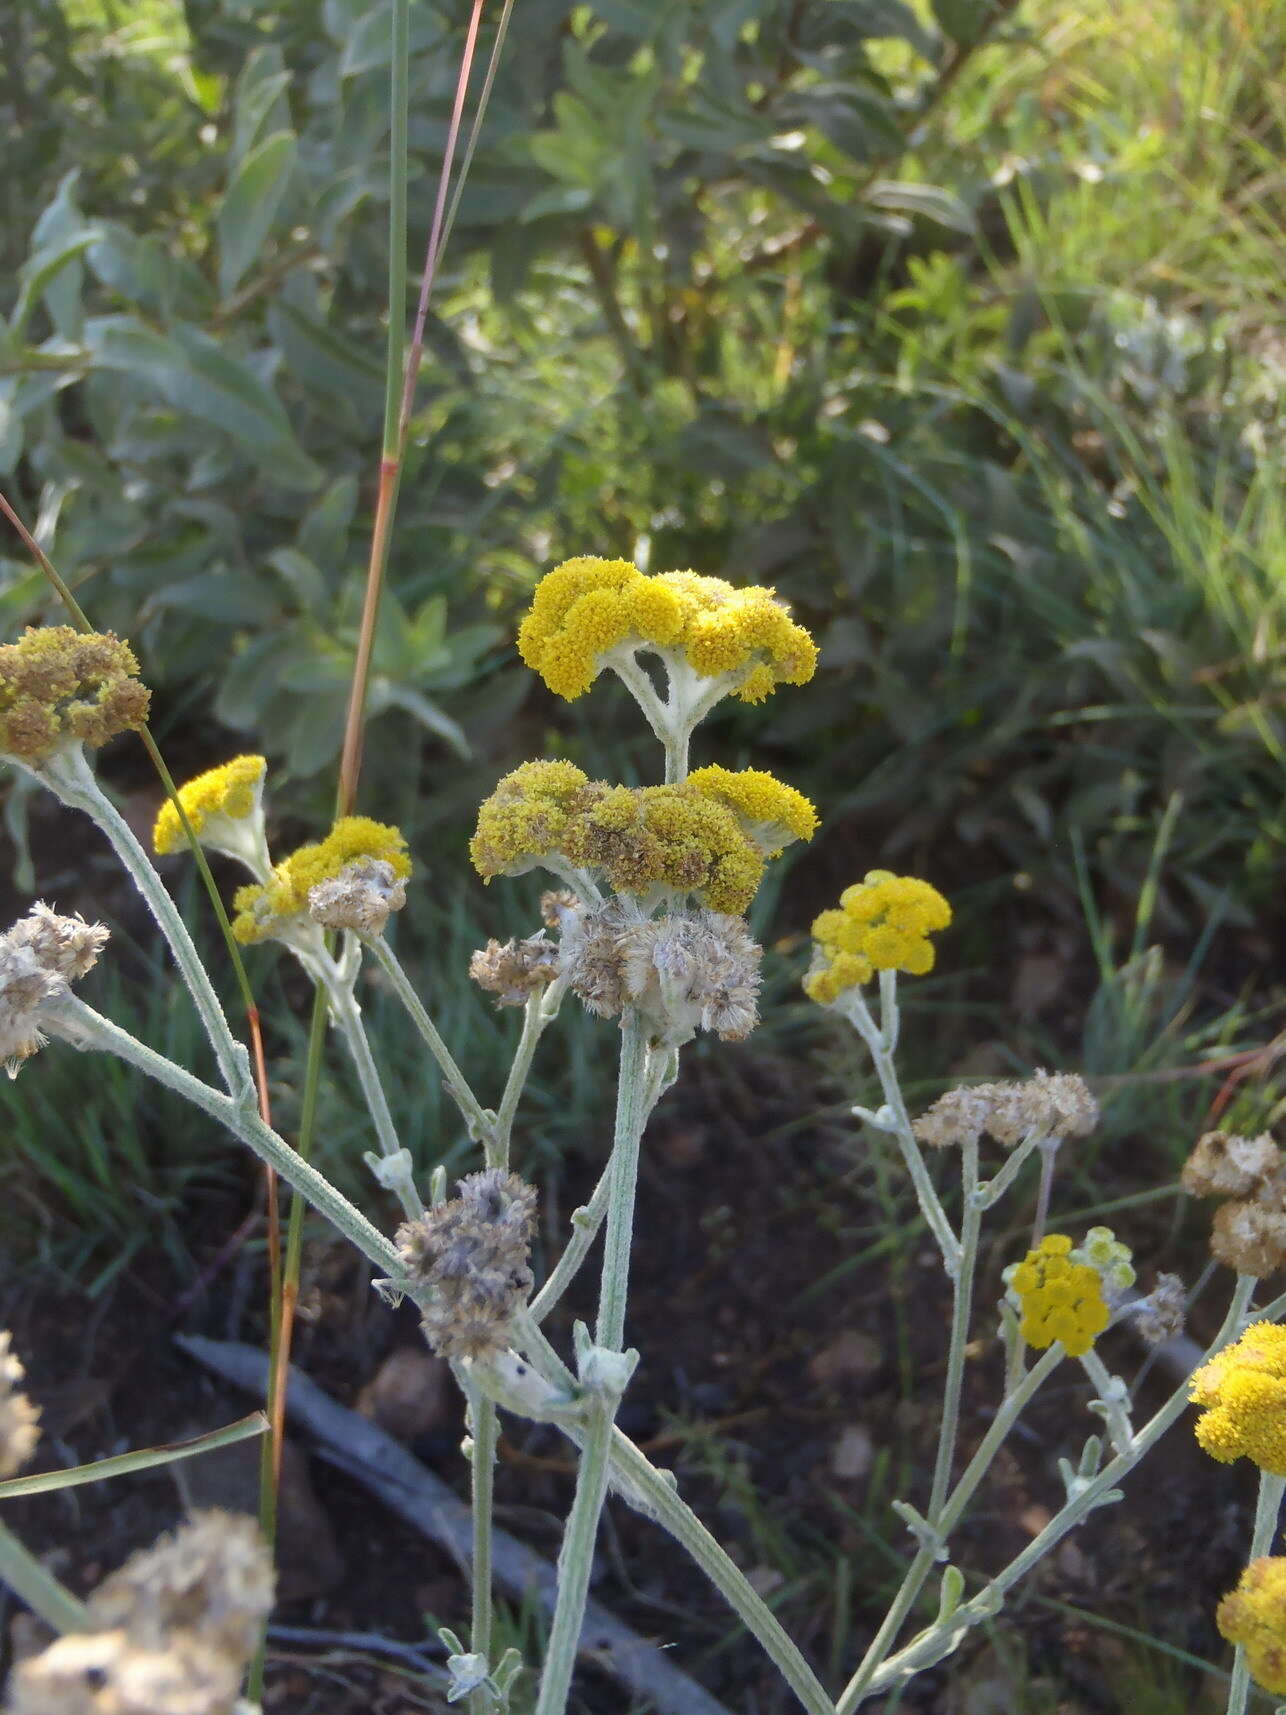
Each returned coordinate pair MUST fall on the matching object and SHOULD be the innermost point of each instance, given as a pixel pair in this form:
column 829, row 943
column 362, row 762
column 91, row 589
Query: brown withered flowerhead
column 172, row 1631
column 40, row 957
column 466, row 1263
column 1249, row 1231
column 513, row 971
column 1046, row 1105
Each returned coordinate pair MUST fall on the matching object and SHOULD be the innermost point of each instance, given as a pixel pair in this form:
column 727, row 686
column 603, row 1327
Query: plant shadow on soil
column 751, row 1380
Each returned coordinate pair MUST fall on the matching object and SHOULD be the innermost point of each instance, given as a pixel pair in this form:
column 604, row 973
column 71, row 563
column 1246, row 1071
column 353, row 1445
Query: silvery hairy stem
column 576, row 1558
column 69, row 776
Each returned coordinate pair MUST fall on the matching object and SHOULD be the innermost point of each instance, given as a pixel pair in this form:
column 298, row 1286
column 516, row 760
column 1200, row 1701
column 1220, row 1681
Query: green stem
column 943, row 1523
column 643, row 1483
column 541, row 1010
column 575, row 1562
column 71, row 779
column 585, row 1224
column 348, row 1021
column 881, row 1044
column 481, row 1124
column 482, row 1416
column 622, row 1183
column 961, row 1308
column 1267, row 1508
column 38, row 1587
column 576, row 1557
column 85, row 1028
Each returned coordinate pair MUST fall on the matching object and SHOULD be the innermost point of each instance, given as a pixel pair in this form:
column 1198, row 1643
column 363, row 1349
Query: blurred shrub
column 842, row 294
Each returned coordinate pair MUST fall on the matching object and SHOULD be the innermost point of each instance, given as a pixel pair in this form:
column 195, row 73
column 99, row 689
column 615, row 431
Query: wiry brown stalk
column 394, row 450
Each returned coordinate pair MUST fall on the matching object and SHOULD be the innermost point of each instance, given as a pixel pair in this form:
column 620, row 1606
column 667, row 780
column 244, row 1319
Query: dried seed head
column 960, row 1116
column 110, row 1673
column 1226, row 1165
column 515, row 970
column 211, row 1578
column 1250, row 1236
column 591, row 953
column 698, row 969
column 19, row 1418
column 40, row 957
column 690, row 970
column 360, row 897
column 176, row 1627
column 1161, row 1315
column 466, row 1263
column 1046, row 1105
column 556, row 905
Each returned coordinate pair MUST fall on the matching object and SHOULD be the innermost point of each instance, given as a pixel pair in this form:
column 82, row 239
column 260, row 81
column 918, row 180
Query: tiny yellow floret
column 587, row 607
column 1061, row 1299
column 881, row 924
column 230, row 790
column 1243, row 1391
column 1254, row 1616
column 262, row 911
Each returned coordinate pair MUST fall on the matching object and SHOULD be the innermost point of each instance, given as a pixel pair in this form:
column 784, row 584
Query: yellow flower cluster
column 1243, row 1390
column 261, row 910
column 881, row 924
column 589, row 606
column 1254, row 1616
column 687, row 837
column 59, row 686
column 230, row 790
column 1061, row 1299
column 772, row 813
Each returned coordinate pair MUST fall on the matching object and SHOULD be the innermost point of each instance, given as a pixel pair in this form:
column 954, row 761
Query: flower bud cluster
column 368, row 858
column 1250, row 1229
column 59, row 686
column 587, row 609
column 882, row 923
column 1243, row 1392
column 1046, row 1105
column 40, row 957
column 694, row 837
column 1254, row 1616
column 19, row 1418
column 466, row 1263
column 1061, row 1299
column 1110, row 1257
column 173, row 1630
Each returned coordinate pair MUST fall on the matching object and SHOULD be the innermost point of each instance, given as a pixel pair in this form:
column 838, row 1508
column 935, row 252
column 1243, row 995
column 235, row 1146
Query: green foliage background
column 960, row 324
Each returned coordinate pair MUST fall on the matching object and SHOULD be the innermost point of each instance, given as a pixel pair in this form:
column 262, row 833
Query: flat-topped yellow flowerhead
column 688, row 837
column 881, row 924
column 1254, row 1616
column 772, row 813
column 59, row 686
column 1061, row 1299
column 265, row 911
column 230, row 793
column 1243, row 1390
column 588, row 607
